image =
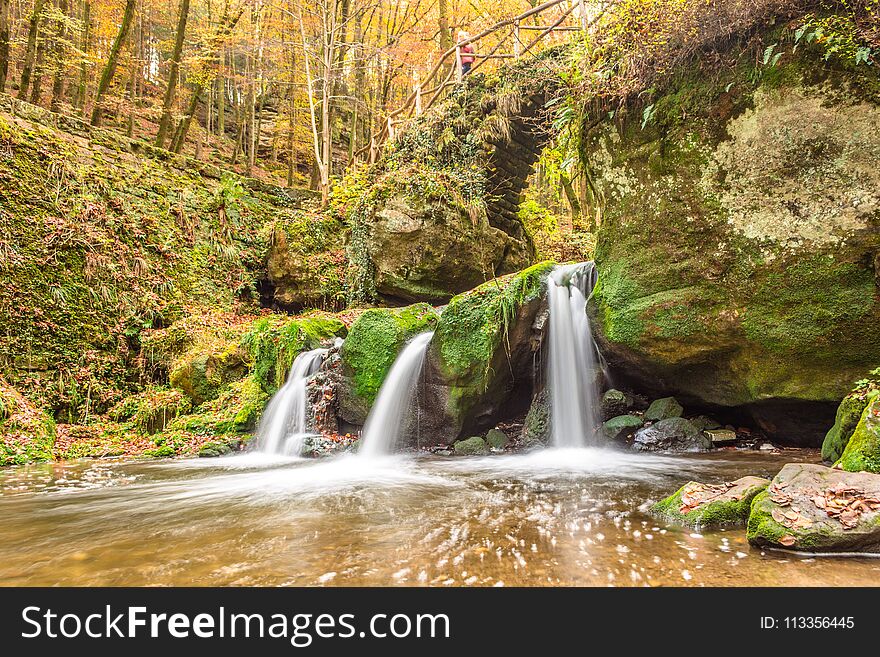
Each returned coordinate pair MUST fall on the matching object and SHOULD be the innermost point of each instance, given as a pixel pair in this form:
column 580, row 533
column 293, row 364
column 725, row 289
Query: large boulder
column 369, row 351
column 711, row 505
column 480, row 365
column 621, row 427
column 863, row 449
column 425, row 248
column 674, row 434
column 818, row 509
column 740, row 239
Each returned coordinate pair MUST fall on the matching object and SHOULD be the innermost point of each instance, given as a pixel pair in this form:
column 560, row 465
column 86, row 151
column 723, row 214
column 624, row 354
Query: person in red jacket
column 467, row 52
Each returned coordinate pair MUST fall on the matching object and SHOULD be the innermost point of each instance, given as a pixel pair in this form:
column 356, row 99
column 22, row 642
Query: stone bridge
column 441, row 211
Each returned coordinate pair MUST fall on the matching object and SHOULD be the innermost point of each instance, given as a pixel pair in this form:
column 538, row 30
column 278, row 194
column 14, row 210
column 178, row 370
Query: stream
column 552, row 517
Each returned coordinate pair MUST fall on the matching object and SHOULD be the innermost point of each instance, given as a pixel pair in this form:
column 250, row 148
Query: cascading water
column 573, row 362
column 285, row 422
column 387, row 417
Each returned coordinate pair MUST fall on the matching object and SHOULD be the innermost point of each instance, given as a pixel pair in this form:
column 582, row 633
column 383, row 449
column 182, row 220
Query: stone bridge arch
column 438, row 214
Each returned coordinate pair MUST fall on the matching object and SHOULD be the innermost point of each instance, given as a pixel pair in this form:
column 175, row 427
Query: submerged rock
column 848, row 415
column 706, row 505
column 727, row 276
column 473, row 446
column 671, row 435
column 621, row 427
column 863, row 449
column 814, row 508
column 663, row 409
column 217, row 448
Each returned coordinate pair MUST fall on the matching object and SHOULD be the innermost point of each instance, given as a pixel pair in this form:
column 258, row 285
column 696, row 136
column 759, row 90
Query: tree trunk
column 4, row 43
column 60, row 58
column 445, row 35
column 82, row 89
column 226, row 26
column 112, row 61
column 27, row 67
column 39, row 63
column 572, row 199
column 221, row 102
column 173, row 75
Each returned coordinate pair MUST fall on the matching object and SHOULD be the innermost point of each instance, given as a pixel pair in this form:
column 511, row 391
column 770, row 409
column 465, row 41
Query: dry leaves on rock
column 695, row 494
column 846, row 504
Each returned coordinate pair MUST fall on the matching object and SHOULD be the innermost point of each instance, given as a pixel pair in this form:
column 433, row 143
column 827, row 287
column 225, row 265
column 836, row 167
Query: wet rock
column 671, row 435
column 814, row 508
column 704, row 422
column 317, row 445
column 497, row 439
column 474, row 446
column 721, row 437
column 706, row 505
column 615, row 403
column 536, row 428
column 479, row 366
column 621, row 427
column 219, row 448
column 663, row 409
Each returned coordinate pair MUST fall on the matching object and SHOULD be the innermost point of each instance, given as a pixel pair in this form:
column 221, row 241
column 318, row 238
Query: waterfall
column 388, row 415
column 284, row 423
column 573, row 357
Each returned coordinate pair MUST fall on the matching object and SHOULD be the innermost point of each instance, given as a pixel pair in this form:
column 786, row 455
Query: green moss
column 150, row 410
column 763, row 530
column 621, row 426
column 475, row 323
column 375, row 339
column 26, row 433
column 848, row 415
column 236, row 411
column 863, row 449
column 717, row 513
column 474, row 446
column 801, row 307
column 272, row 343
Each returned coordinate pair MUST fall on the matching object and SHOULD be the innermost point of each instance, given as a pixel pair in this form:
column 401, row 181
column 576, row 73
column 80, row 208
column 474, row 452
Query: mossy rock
column 773, row 521
column 615, row 403
column 622, row 426
column 374, row 341
column 704, row 422
column 663, row 409
column 704, row 506
column 863, row 449
column 479, row 364
column 845, row 422
column 474, row 446
column 497, row 439
column 725, row 278
column 536, row 428
column 236, row 410
column 219, row 448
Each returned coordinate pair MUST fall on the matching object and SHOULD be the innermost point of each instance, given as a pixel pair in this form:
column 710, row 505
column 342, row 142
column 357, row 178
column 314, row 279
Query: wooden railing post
column 583, row 8
column 390, row 129
column 517, row 44
column 458, row 63
column 418, row 95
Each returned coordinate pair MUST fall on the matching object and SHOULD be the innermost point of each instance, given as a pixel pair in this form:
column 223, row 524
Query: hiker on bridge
column 465, row 53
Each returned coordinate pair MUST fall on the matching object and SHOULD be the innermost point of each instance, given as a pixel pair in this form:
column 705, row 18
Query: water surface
column 557, row 517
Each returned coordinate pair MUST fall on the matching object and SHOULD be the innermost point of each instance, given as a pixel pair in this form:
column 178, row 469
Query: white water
column 388, row 415
column 573, row 363
column 284, row 425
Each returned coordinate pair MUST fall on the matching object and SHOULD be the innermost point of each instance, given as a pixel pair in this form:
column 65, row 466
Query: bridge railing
column 511, row 41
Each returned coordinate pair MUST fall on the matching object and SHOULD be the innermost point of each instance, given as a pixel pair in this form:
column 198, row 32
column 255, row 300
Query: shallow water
column 557, row 517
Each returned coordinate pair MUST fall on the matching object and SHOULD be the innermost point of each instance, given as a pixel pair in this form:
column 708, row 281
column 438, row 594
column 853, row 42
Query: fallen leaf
column 788, row 540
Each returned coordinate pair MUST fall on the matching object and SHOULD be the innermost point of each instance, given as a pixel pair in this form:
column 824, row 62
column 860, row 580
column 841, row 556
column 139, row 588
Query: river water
column 556, row 517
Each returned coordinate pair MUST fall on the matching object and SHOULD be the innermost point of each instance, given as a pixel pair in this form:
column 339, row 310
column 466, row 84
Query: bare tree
column 173, row 74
